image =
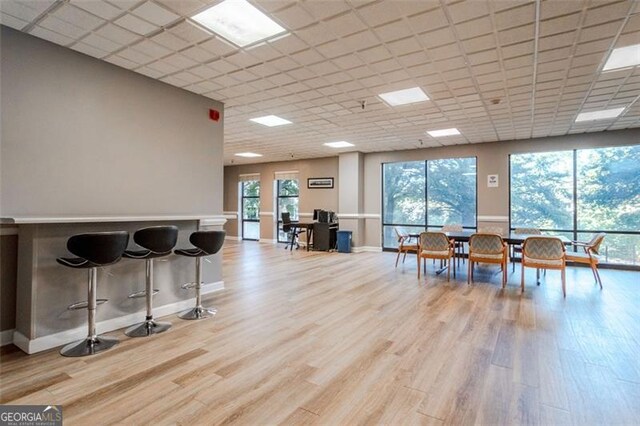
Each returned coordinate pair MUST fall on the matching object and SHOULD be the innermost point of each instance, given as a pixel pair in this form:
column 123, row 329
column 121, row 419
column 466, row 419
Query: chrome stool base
column 89, row 346
column 198, row 313
column 147, row 328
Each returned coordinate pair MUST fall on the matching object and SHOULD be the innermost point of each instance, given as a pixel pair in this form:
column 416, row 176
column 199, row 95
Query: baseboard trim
column 366, row 249
column 6, row 337
column 268, row 241
column 232, row 238
column 43, row 343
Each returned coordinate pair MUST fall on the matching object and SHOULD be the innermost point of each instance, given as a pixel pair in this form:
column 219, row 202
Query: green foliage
column 288, row 187
column 251, row 188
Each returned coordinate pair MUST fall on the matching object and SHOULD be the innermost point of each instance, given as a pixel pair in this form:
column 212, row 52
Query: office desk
column 308, row 226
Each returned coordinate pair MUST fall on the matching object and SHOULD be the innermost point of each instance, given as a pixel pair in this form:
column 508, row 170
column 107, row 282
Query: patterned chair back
column 491, row 230
column 486, row 243
column 594, row 244
column 434, row 241
column 527, row 231
column 543, row 248
column 454, row 227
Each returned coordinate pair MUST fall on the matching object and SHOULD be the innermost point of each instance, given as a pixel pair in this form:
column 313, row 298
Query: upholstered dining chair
column 590, row 254
column 488, row 248
column 436, row 245
column 544, row 253
column 517, row 248
column 459, row 245
column 404, row 245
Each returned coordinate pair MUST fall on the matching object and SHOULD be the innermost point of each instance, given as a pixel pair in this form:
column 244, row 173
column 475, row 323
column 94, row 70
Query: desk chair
column 288, row 228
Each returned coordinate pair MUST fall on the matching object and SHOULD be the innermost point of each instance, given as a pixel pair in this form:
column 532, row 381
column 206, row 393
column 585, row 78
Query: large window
column 427, row 194
column 578, row 193
column 288, row 193
column 250, row 191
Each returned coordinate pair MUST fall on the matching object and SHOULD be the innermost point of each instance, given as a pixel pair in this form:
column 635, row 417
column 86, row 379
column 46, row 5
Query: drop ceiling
column 495, row 70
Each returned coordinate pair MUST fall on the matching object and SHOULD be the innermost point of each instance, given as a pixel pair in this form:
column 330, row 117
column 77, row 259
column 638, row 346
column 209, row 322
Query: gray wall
column 81, row 136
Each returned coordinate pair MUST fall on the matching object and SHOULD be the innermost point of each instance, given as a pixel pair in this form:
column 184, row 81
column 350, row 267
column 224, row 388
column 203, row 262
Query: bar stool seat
column 206, row 243
column 156, row 241
column 93, row 250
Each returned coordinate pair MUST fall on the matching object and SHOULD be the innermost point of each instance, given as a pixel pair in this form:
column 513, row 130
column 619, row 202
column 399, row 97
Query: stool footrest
column 187, row 286
column 84, row 305
column 142, row 293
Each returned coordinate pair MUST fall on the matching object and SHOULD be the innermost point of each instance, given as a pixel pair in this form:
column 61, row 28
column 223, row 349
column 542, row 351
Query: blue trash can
column 344, row 241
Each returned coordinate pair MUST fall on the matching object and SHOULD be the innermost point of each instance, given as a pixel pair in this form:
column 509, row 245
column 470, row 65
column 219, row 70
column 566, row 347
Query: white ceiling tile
column 117, row 34
column 170, row 41
column 125, row 4
column 293, row 18
column 151, row 49
column 121, row 62
column 25, row 10
column 322, row 9
column 180, row 61
column 98, row 7
column 345, row 24
column 101, row 43
column 89, row 50
column 78, row 17
column 198, row 54
column 184, row 7
column 136, row 25
column 50, row 35
column 59, row 26
column 189, row 32
column 12, row 22
column 155, row 14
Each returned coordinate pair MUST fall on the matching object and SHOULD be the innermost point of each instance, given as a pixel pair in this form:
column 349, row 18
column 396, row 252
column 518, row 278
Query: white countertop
column 98, row 219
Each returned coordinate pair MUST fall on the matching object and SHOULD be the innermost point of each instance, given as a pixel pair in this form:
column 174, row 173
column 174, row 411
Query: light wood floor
column 329, row 338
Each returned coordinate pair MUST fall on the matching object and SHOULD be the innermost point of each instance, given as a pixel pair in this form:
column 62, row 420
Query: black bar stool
column 157, row 241
column 207, row 243
column 93, row 250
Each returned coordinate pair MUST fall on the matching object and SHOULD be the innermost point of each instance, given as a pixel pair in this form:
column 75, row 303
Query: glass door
column 251, row 210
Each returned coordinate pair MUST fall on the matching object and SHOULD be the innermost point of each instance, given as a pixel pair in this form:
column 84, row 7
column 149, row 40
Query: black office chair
column 206, row 243
column 293, row 231
column 93, row 250
column 157, row 241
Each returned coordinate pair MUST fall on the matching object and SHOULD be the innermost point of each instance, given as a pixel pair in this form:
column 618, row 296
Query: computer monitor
column 316, row 213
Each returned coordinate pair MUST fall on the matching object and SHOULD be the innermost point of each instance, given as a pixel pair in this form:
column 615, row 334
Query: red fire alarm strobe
column 214, row 115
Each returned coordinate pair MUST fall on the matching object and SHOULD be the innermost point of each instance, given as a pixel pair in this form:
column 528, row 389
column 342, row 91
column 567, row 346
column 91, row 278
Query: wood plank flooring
column 336, row 339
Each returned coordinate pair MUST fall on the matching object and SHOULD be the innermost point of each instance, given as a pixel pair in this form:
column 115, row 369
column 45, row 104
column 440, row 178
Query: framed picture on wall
column 320, row 183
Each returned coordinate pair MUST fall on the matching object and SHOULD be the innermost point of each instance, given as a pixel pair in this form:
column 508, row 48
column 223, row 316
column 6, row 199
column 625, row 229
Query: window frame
column 575, row 231
column 278, row 213
column 425, row 225
column 242, row 200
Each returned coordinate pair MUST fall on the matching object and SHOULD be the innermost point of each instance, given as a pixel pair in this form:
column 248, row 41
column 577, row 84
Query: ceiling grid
column 490, row 68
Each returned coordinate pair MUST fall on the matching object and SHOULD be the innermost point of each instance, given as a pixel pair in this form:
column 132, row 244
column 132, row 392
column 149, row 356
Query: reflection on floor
column 330, row 338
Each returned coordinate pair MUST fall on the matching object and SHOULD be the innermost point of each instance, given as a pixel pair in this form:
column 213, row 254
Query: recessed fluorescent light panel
column 404, row 97
column 599, row 115
column 443, row 132
column 622, row 57
column 239, row 22
column 339, row 144
column 248, row 154
column 270, row 120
